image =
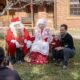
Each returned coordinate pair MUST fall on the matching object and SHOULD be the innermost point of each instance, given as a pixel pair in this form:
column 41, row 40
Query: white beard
column 15, row 33
column 13, row 29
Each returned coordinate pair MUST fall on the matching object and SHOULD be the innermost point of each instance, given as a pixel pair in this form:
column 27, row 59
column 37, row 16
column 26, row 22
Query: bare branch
column 11, row 3
column 8, row 6
column 21, row 7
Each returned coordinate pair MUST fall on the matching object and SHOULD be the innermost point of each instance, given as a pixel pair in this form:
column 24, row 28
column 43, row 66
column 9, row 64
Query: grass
column 50, row 71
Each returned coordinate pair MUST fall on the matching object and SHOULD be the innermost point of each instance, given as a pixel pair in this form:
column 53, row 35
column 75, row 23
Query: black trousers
column 19, row 54
column 57, row 55
column 13, row 59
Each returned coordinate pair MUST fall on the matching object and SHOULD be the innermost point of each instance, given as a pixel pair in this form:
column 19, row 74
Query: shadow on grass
column 50, row 71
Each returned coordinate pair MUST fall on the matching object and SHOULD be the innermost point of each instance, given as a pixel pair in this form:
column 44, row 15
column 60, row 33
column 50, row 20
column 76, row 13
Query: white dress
column 40, row 46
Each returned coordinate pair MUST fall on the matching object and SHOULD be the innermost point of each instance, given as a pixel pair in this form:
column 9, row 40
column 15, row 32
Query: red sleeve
column 46, row 39
column 26, row 35
column 32, row 38
column 9, row 36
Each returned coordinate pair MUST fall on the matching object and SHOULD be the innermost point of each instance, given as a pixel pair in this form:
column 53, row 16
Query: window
column 50, row 10
column 75, row 7
column 1, row 7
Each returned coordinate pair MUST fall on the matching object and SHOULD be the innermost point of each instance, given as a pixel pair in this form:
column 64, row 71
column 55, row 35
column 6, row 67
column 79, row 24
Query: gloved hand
column 13, row 41
column 28, row 43
column 16, row 43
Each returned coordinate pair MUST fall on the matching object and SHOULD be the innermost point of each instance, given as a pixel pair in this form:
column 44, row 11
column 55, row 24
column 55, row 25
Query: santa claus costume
column 18, row 40
column 40, row 47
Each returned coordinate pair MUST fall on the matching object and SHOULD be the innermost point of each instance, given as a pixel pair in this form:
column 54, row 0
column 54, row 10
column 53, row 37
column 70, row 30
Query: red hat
column 15, row 21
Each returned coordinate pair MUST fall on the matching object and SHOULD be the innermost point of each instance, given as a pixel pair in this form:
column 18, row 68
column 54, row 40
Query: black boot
column 19, row 55
column 12, row 59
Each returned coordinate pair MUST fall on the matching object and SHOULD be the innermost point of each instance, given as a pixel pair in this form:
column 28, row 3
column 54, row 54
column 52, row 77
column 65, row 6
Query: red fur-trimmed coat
column 12, row 42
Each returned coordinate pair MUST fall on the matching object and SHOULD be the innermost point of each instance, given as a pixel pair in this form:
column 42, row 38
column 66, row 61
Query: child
column 56, row 43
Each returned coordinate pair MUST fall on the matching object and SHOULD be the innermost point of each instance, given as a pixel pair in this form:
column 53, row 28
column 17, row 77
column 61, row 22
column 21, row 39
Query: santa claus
column 40, row 47
column 18, row 40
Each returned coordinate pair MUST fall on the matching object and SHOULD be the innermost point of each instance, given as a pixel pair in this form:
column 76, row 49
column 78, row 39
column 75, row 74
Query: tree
column 11, row 3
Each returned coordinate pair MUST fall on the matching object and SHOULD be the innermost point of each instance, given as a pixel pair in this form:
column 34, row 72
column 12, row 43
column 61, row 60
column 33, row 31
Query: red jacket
column 11, row 48
column 10, row 36
column 56, row 43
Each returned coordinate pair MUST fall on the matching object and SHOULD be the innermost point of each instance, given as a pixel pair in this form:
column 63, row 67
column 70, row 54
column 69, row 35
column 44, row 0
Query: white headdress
column 41, row 22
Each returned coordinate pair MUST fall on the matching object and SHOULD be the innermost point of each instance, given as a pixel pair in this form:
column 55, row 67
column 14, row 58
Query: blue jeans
column 67, row 53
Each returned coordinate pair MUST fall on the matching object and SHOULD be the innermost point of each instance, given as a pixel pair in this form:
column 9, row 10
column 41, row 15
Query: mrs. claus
column 40, row 47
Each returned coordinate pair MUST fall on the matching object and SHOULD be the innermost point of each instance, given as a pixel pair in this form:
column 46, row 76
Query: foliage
column 1, row 36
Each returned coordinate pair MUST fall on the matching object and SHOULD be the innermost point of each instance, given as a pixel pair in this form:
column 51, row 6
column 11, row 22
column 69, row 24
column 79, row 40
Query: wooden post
column 55, row 14
column 32, row 13
column 20, row 4
column 7, row 12
column 7, row 4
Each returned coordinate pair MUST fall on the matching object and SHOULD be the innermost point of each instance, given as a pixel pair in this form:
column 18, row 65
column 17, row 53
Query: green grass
column 50, row 71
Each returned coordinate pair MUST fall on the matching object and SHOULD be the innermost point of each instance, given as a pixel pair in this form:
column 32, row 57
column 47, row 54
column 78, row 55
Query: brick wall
column 63, row 17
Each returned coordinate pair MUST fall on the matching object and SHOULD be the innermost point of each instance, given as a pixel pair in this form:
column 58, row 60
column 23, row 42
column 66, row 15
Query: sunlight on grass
column 50, row 71
column 76, row 63
column 46, row 78
column 75, row 75
column 36, row 70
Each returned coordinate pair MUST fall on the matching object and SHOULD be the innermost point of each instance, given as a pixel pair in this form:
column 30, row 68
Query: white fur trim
column 17, row 45
column 41, row 47
column 45, row 49
column 13, row 41
column 25, row 41
column 29, row 43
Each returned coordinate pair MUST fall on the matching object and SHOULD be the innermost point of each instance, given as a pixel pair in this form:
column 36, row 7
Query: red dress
column 38, row 58
column 12, row 46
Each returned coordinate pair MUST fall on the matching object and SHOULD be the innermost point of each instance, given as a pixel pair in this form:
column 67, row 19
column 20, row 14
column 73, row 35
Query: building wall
column 63, row 17
column 59, row 16
column 45, row 15
column 63, row 14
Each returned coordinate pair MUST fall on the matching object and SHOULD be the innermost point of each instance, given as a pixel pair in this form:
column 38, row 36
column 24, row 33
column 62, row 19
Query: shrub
column 1, row 36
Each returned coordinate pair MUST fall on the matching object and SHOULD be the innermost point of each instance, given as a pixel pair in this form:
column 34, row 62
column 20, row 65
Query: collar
column 62, row 36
